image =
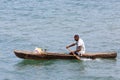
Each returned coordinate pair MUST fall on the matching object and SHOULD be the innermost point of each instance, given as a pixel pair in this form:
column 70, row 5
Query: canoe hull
column 48, row 55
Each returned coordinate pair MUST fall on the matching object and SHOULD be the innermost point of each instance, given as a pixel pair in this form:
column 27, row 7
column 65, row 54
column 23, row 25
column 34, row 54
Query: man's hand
column 70, row 45
column 67, row 47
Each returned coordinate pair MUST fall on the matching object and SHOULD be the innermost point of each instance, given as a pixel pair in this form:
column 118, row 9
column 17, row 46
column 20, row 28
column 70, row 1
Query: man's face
column 76, row 38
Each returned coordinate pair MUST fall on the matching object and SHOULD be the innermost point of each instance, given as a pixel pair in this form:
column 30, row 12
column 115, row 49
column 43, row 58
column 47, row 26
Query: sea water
column 51, row 25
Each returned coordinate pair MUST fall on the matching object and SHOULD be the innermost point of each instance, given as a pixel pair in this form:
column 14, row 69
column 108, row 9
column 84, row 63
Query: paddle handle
column 74, row 54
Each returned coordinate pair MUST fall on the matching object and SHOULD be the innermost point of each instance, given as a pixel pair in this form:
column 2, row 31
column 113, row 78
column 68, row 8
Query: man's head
column 76, row 37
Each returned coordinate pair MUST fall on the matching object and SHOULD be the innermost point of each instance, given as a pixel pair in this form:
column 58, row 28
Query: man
column 80, row 47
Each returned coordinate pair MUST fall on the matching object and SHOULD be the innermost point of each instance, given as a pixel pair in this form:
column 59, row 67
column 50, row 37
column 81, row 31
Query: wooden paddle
column 74, row 54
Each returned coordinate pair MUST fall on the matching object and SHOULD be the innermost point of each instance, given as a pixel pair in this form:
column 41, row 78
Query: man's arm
column 71, row 45
column 78, row 49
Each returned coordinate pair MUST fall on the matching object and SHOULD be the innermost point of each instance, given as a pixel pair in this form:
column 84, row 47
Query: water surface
column 51, row 24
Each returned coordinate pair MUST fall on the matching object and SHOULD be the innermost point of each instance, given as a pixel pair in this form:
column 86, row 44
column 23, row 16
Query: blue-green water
column 51, row 24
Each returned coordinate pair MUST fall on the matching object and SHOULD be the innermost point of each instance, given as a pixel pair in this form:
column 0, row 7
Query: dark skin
column 76, row 38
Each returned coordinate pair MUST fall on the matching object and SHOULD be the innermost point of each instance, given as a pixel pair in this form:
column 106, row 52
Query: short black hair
column 76, row 35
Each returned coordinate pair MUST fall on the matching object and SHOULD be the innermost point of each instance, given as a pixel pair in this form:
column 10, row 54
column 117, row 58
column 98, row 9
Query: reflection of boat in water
column 26, row 62
column 48, row 55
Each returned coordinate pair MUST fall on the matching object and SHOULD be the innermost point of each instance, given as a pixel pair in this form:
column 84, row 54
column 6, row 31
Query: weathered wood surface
column 49, row 55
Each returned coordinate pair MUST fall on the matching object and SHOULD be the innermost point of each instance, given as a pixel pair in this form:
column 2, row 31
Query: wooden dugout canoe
column 48, row 55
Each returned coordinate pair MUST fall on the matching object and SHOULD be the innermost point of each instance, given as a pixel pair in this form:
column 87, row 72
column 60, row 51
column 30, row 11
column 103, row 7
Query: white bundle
column 39, row 50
